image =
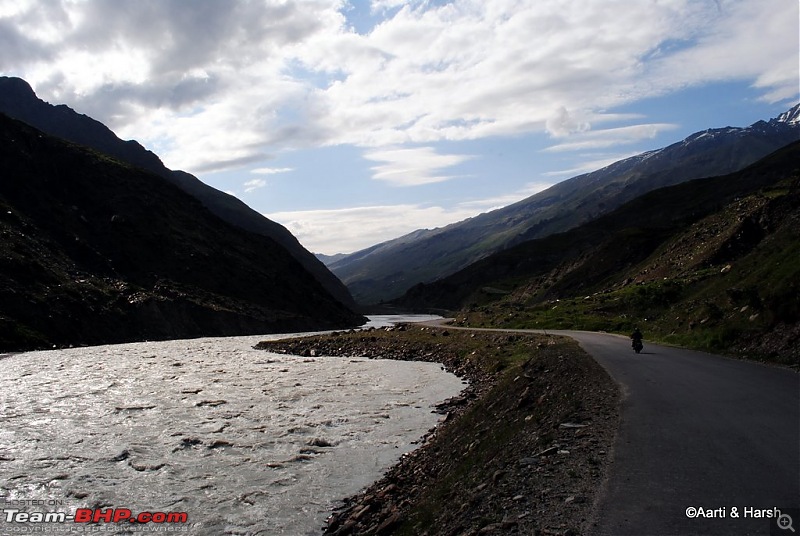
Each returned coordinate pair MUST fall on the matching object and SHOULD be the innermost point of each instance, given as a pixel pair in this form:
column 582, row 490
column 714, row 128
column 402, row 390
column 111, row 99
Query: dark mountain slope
column 96, row 251
column 18, row 100
column 711, row 263
column 579, row 260
column 386, row 270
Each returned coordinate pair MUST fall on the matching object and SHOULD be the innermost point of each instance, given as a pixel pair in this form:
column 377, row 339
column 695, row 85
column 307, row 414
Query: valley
column 709, row 264
column 539, row 427
column 384, row 272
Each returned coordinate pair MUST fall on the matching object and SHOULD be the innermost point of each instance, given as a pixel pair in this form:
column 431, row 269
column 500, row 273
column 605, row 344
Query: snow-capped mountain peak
column 792, row 116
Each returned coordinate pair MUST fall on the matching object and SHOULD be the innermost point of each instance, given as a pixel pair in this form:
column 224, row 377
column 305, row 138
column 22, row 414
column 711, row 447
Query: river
column 243, row 441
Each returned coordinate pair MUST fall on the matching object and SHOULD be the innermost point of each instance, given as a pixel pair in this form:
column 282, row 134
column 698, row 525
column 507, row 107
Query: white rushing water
column 244, row 441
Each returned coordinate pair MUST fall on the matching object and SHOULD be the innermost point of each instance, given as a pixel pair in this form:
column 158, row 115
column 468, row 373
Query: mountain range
column 96, row 250
column 385, row 271
column 103, row 243
column 709, row 263
column 18, row 100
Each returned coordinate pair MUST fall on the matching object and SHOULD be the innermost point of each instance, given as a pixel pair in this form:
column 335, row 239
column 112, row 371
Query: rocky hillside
column 18, row 100
column 386, row 270
column 95, row 251
column 710, row 263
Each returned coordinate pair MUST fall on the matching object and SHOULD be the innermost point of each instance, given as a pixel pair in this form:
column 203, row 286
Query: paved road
column 698, row 430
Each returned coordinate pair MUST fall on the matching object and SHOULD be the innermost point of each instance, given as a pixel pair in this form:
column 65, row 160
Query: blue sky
column 354, row 122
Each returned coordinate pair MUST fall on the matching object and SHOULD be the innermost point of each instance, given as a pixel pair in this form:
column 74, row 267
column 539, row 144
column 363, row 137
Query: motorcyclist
column 636, row 337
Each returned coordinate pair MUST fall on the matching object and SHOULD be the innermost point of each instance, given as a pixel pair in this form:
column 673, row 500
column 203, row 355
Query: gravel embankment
column 523, row 450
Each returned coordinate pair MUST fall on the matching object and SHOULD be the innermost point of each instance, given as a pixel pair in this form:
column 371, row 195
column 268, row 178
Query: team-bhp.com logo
column 94, row 515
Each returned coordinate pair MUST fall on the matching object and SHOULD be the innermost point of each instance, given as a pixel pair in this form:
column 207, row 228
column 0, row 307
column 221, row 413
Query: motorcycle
column 637, row 345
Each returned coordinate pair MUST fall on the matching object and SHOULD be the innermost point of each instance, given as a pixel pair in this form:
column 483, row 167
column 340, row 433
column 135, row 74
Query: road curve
column 697, row 431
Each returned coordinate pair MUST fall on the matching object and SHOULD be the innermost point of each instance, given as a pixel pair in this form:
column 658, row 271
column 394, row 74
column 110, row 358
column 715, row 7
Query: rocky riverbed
column 523, row 450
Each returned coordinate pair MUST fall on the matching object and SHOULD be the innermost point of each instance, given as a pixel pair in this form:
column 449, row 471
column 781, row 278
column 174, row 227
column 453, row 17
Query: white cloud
column 412, row 167
column 610, row 137
column 562, row 123
column 351, row 229
column 378, row 6
column 228, row 83
column 254, row 184
column 747, row 40
column 472, row 69
column 204, row 86
column 270, row 171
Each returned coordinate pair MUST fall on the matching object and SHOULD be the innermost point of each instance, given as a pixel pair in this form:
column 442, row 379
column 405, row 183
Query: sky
column 352, row 122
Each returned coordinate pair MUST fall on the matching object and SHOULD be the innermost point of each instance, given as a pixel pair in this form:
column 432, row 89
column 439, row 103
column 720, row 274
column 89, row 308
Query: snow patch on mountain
column 792, row 116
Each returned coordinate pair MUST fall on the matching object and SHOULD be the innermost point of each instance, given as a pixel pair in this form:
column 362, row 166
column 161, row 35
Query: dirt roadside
column 524, row 449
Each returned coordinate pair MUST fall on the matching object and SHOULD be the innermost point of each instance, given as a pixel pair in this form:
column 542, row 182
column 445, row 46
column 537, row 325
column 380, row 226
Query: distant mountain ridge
column 710, row 263
column 384, row 271
column 18, row 100
column 597, row 253
column 95, row 250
